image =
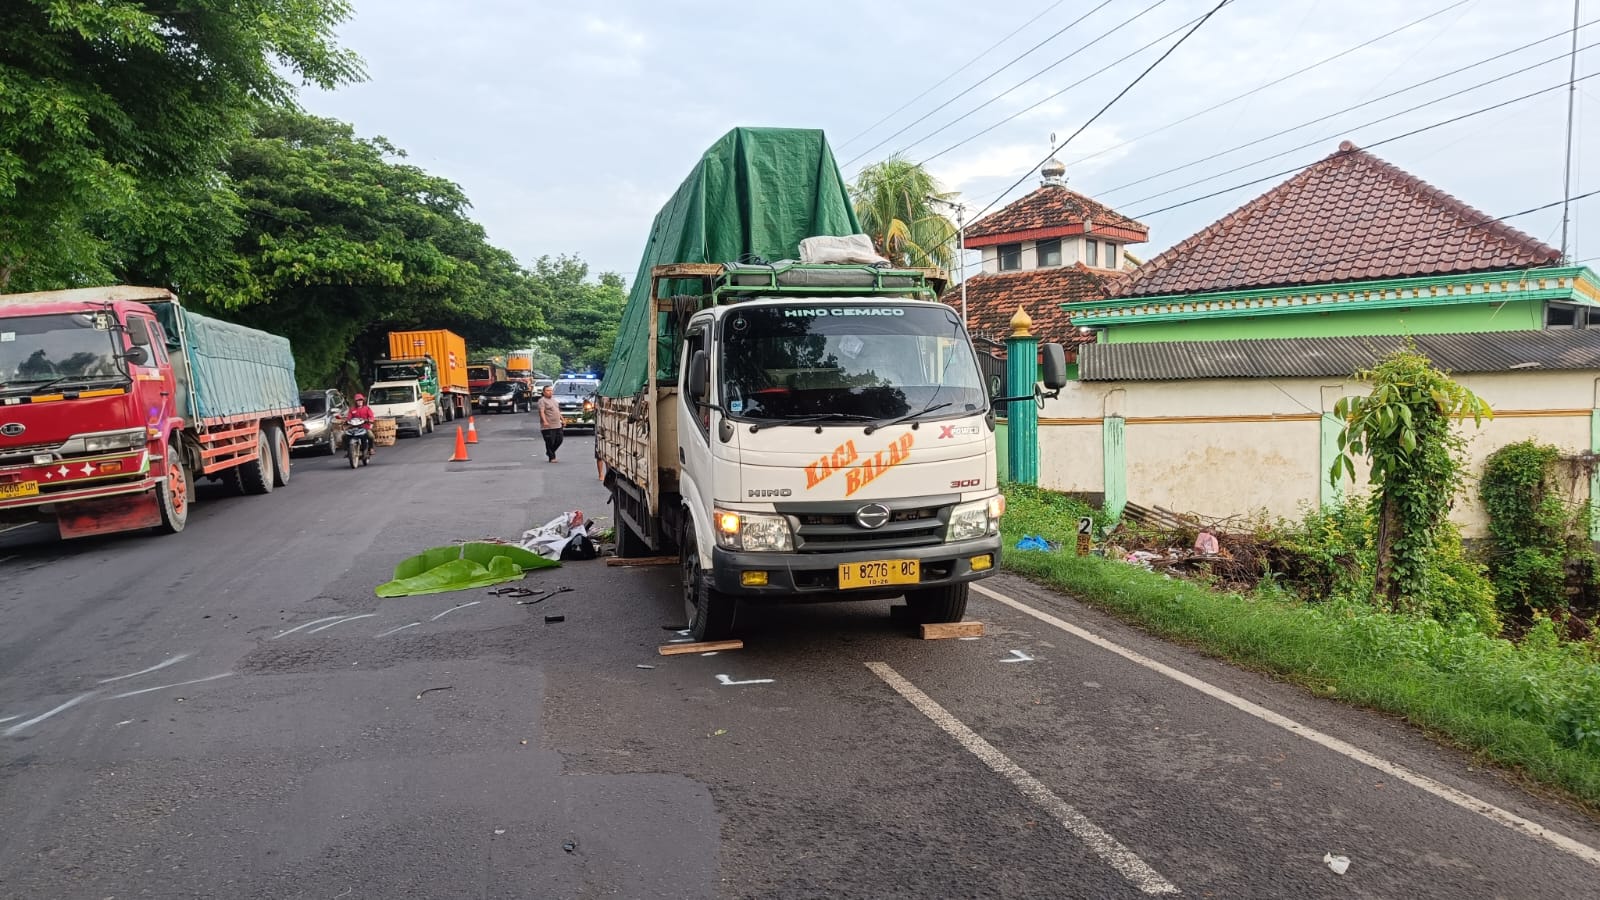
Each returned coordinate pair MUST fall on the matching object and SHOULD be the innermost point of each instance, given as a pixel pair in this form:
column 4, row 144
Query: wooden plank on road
column 700, row 647
column 952, row 630
column 642, row 561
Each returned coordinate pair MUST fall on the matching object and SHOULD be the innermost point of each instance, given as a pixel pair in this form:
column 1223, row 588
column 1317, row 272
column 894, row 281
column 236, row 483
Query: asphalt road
column 483, row 752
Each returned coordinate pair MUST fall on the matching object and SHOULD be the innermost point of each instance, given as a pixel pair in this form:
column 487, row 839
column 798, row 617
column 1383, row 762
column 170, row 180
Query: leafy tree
column 342, row 243
column 1535, row 532
column 891, row 200
column 584, row 314
column 1403, row 428
column 115, row 116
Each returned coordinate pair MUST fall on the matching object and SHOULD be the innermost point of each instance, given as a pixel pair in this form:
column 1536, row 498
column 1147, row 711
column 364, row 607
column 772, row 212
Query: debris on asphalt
column 458, row 567
column 448, row 687
column 569, row 846
column 567, row 536
column 675, row 649
column 499, row 831
column 719, row 732
column 1337, row 863
column 643, row 666
column 550, row 620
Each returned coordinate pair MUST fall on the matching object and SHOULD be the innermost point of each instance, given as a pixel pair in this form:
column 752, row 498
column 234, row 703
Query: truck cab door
column 153, row 383
column 694, row 434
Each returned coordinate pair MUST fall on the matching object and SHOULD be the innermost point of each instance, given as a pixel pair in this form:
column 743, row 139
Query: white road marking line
column 306, row 625
column 728, row 681
column 393, row 630
column 342, row 620
column 1438, row 789
column 160, row 665
column 1018, row 656
column 1108, row 848
column 8, row 719
column 20, row 726
column 453, row 609
column 162, row 687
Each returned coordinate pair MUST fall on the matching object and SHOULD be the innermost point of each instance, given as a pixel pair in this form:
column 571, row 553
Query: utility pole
column 961, row 247
column 1572, row 95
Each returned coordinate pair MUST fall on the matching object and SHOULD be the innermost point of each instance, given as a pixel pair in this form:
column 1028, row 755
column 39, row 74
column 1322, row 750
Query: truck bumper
column 803, row 577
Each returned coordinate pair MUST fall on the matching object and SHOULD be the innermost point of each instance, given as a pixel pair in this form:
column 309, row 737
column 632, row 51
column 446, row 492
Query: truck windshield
column 849, row 359
column 479, row 373
column 314, row 403
column 386, row 395
column 38, row 349
column 401, row 372
column 575, row 387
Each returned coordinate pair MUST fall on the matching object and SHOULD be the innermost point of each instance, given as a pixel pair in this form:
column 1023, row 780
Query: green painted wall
column 1517, row 315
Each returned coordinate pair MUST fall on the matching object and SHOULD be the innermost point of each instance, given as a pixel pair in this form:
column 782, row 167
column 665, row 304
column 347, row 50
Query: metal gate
column 992, row 363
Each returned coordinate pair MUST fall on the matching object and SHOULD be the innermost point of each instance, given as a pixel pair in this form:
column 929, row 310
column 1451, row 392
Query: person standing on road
column 550, row 424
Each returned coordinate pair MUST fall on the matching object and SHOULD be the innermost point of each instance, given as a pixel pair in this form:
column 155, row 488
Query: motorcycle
column 358, row 441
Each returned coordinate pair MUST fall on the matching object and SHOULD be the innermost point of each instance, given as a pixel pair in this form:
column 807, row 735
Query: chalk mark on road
column 727, row 681
column 163, row 687
column 342, row 620
column 306, row 625
column 1125, row 861
column 158, row 666
column 1018, row 656
column 22, row 726
column 1415, row 779
column 453, row 609
column 393, row 630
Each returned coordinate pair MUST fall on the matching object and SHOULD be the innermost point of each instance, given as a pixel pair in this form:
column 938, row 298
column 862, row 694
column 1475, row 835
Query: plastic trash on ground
column 552, row 538
column 1339, row 864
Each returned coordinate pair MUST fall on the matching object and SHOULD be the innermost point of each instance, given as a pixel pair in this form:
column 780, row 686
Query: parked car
column 506, row 396
column 576, row 398
column 326, row 411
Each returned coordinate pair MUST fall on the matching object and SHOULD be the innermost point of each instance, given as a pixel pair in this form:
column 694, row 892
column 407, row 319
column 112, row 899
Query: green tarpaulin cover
column 756, row 191
column 457, row 568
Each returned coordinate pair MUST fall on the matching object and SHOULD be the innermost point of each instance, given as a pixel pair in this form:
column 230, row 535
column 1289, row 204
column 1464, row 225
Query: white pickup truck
column 404, row 402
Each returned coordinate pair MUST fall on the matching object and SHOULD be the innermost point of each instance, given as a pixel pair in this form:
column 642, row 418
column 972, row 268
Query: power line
column 1273, row 83
column 936, row 85
column 1120, row 94
column 1395, row 115
column 1365, row 103
column 1116, row 28
column 1022, row 112
column 1412, row 133
column 1013, row 61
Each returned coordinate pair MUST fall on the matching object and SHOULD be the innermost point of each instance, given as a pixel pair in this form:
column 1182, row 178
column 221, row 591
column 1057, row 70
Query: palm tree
column 892, row 200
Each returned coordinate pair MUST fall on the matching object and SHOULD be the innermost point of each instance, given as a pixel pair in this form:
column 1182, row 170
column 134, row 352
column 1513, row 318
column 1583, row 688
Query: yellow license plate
column 19, row 489
column 879, row 573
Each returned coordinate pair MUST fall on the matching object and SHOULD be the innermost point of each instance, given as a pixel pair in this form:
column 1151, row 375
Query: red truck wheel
column 175, row 492
column 282, row 467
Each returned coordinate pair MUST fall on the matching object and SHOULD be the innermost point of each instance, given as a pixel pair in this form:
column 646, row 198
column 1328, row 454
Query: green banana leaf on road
column 460, row 567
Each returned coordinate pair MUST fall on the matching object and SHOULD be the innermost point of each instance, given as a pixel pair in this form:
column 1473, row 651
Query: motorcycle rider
column 360, row 410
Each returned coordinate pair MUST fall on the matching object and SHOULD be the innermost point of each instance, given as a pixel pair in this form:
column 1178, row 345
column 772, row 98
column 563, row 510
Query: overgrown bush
column 1535, row 533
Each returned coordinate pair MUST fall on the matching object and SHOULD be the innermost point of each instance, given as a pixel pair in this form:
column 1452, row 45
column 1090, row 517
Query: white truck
column 405, row 402
column 818, row 432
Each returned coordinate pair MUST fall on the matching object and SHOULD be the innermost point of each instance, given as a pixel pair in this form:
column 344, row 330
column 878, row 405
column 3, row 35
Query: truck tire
column 710, row 614
column 176, row 491
column 256, row 476
column 282, row 466
column 629, row 544
column 931, row 606
column 450, row 410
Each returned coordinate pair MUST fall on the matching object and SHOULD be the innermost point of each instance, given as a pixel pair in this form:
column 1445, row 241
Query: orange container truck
column 409, row 354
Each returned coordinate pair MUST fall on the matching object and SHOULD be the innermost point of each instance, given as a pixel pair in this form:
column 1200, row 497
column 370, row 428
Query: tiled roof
column 992, row 299
column 1350, row 217
column 1051, row 206
column 1337, row 357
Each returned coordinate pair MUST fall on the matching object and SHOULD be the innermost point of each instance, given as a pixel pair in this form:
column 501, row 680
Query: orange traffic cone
column 472, row 430
column 461, row 447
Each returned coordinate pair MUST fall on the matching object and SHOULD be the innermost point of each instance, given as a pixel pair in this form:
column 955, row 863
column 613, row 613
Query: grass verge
column 1534, row 706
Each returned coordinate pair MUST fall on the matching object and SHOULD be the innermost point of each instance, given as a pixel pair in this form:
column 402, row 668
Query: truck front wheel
column 709, row 612
column 175, row 492
column 935, row 605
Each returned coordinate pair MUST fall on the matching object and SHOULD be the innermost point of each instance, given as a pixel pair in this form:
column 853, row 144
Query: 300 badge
column 966, row 483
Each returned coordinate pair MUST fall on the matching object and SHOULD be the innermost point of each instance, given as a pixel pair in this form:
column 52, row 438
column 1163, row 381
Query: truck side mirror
column 699, row 376
column 1054, row 359
column 137, row 356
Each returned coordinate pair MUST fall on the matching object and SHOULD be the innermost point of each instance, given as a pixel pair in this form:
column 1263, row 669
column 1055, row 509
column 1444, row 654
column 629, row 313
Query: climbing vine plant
column 1535, row 532
column 1403, row 429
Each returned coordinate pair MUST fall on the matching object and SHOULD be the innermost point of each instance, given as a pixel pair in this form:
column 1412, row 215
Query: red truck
column 114, row 400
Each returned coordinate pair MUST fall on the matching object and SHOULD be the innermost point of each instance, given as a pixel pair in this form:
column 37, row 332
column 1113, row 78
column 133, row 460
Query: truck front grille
column 836, row 529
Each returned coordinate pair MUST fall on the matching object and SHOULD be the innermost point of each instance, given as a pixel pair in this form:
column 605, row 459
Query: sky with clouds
column 570, row 124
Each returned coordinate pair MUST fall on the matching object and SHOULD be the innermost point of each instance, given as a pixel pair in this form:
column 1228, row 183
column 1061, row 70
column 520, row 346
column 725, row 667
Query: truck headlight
column 978, row 519
column 753, row 531
column 116, row 440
